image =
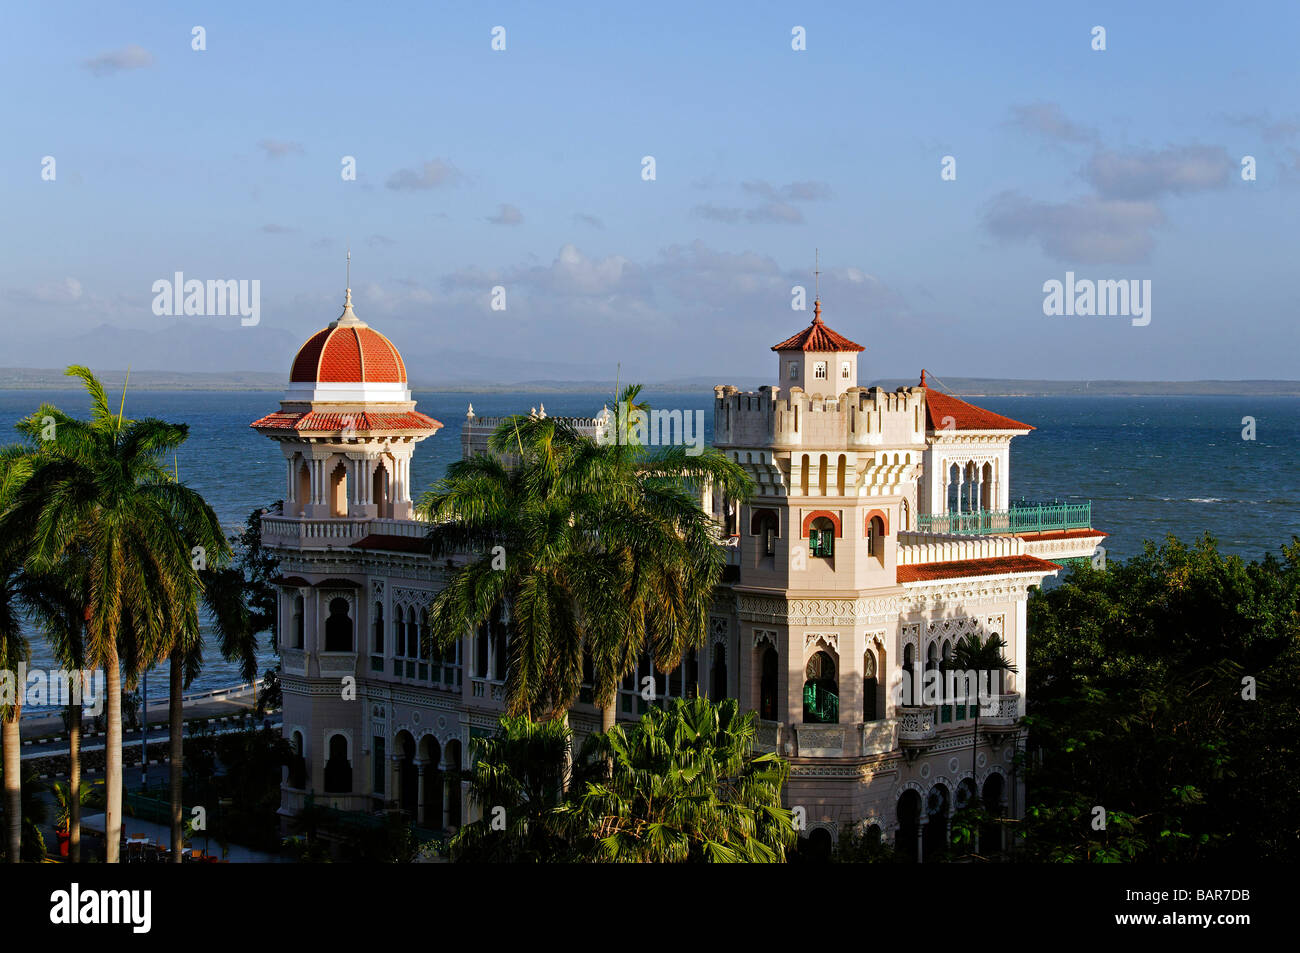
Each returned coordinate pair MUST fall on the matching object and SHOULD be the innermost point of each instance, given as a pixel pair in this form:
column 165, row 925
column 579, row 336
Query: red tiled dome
column 348, row 352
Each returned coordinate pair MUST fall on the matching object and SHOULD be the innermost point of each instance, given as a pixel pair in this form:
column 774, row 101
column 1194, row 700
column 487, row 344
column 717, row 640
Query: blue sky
column 522, row 168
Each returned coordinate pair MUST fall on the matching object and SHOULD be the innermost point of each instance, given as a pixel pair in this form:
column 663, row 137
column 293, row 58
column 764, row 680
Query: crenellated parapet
column 860, row 418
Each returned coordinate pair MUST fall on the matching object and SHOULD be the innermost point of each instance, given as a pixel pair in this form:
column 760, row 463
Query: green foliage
column 601, row 551
column 680, row 785
column 1136, row 706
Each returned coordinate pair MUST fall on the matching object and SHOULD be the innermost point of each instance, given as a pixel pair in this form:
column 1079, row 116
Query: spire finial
column 923, row 377
column 817, row 285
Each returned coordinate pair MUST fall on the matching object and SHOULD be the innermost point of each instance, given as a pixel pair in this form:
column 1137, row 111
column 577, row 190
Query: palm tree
column 684, row 786
column 53, row 600
column 599, row 549
column 973, row 654
column 101, row 490
column 517, row 781
column 224, row 598
column 15, row 469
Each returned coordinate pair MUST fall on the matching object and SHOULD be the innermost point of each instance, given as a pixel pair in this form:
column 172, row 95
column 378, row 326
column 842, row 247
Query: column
column 961, row 480
column 449, row 790
column 395, row 780
column 419, row 797
column 289, row 494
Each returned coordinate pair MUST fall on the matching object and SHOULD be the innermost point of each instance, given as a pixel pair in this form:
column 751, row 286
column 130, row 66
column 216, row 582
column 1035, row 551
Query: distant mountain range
column 21, row 378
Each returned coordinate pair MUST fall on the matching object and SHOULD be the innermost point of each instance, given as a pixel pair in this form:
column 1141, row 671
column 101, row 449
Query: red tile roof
column 994, row 566
column 361, row 422
column 817, row 337
column 939, row 408
column 348, row 354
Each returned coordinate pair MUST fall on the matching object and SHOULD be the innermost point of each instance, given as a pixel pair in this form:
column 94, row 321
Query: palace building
column 881, row 532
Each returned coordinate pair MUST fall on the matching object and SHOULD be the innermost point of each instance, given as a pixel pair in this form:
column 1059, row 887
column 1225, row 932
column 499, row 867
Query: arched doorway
column 817, row 847
column 431, row 755
column 455, row 767
column 821, row 692
column 991, row 833
column 408, row 787
column 936, row 823
column 338, row 769
column 906, row 839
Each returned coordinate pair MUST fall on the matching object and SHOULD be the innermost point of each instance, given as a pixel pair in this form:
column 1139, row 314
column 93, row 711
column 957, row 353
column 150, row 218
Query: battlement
column 862, row 417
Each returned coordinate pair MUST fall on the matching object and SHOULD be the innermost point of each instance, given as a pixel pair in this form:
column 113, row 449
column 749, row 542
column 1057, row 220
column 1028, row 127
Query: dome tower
column 347, row 425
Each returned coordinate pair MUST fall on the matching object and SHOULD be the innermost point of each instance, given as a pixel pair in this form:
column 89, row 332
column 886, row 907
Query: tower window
column 794, row 370
column 844, row 371
column 821, row 537
column 819, row 370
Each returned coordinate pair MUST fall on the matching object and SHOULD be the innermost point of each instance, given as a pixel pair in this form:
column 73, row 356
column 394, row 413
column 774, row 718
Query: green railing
column 820, row 706
column 1021, row 518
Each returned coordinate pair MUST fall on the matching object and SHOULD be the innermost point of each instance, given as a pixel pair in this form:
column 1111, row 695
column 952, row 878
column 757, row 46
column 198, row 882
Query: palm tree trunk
column 11, row 737
column 975, row 786
column 113, row 758
column 176, row 725
column 74, row 782
column 609, row 715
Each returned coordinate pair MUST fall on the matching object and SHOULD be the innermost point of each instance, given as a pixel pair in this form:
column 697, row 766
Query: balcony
column 915, row 725
column 819, row 741
column 334, row 531
column 769, row 737
column 878, row 737
column 1001, row 712
column 1020, row 518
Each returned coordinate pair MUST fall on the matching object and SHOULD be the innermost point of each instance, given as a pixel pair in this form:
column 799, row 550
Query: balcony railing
column 1021, row 518
column 915, row 724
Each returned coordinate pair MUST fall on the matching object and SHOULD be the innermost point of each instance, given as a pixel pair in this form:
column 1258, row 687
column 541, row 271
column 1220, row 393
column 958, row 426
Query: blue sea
column 1152, row 466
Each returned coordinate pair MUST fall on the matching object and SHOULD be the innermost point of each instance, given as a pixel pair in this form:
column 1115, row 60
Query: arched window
column 304, row 488
column 767, row 686
column 378, row 647
column 719, row 689
column 821, row 537
column 803, row 475
column 338, row 769
column 821, row 692
column 297, row 762
column 339, row 490
column 499, row 657
column 399, row 633
column 845, row 371
column 338, row 627
column 822, row 466
column 414, row 642
column 909, row 693
column 991, row 834
column 819, row 370
column 765, row 524
column 876, row 538
column 907, row 516
column 299, row 624
column 870, row 686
